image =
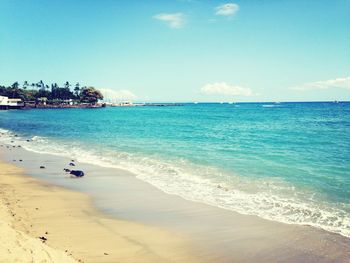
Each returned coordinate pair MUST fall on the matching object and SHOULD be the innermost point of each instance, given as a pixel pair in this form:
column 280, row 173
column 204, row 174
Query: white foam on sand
column 268, row 198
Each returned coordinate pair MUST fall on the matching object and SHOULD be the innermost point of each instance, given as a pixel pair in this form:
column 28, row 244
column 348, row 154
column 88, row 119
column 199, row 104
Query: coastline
column 73, row 228
column 206, row 233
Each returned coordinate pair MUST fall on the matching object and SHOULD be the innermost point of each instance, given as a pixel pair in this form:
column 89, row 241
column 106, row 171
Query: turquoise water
column 288, row 162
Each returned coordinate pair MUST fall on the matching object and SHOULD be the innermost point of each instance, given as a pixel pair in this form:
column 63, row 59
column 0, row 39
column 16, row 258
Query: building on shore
column 119, row 104
column 6, row 103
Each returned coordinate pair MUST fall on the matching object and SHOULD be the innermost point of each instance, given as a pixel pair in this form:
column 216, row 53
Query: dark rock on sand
column 66, row 170
column 42, row 167
column 77, row 173
column 43, row 238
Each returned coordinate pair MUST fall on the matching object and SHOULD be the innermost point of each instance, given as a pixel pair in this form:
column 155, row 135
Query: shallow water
column 288, row 162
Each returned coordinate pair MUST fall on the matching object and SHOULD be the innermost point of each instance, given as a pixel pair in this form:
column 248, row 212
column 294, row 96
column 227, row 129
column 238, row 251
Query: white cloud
column 228, row 9
column 341, row 83
column 174, row 20
column 117, row 95
column 222, row 88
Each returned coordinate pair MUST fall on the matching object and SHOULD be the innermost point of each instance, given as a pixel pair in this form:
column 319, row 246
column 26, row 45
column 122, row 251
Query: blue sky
column 182, row 50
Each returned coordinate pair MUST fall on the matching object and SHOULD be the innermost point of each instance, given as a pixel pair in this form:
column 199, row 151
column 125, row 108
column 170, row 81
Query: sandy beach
column 74, row 230
column 145, row 224
column 174, row 131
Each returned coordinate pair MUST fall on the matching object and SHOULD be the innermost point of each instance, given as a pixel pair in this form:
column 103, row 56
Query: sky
column 181, row 50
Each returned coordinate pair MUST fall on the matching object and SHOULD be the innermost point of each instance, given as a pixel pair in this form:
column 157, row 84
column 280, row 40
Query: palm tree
column 41, row 85
column 54, row 90
column 15, row 85
column 25, row 84
column 77, row 89
column 67, row 85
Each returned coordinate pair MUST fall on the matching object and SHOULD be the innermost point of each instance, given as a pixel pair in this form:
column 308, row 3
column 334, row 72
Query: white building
column 6, row 103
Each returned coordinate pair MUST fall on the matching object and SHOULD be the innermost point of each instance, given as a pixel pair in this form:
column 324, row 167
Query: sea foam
column 268, row 198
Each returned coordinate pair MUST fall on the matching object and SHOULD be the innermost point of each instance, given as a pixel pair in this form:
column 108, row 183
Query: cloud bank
column 173, row 20
column 223, row 88
column 117, row 95
column 340, row 83
column 228, row 9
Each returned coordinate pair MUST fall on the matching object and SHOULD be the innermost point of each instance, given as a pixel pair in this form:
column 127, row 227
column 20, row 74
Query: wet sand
column 73, row 228
column 211, row 234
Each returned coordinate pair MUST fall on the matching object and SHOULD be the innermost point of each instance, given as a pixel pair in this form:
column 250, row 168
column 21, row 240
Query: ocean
column 286, row 162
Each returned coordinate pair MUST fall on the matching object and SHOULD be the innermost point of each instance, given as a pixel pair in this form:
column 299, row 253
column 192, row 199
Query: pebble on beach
column 43, row 238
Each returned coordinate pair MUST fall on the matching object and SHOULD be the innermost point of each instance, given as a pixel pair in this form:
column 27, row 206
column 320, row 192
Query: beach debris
column 66, row 170
column 42, row 167
column 46, row 233
column 19, row 146
column 105, row 253
column 28, row 140
column 72, row 160
column 20, row 160
column 221, row 187
column 71, row 164
column 43, row 238
column 77, row 173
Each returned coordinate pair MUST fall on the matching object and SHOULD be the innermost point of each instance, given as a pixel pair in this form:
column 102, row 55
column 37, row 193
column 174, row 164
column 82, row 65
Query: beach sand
column 30, row 209
column 144, row 223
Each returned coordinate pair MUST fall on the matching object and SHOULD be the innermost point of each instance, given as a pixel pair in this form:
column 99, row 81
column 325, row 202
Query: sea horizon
column 228, row 101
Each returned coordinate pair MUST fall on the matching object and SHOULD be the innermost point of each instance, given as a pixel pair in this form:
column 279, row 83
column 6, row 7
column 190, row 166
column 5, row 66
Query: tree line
column 52, row 93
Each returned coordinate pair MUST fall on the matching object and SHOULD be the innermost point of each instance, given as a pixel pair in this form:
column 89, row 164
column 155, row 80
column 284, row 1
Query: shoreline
column 76, row 230
column 212, row 234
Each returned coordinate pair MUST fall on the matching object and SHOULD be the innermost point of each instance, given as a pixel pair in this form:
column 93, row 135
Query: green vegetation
column 53, row 94
column 90, row 95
